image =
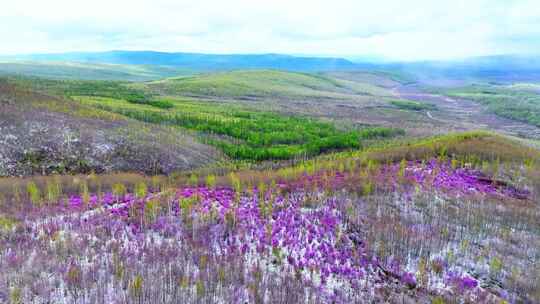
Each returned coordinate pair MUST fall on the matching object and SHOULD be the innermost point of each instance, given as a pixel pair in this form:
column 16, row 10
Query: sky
column 404, row 30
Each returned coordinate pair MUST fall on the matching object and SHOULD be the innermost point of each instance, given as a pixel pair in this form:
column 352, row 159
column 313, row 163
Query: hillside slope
column 450, row 219
column 41, row 134
column 263, row 83
column 88, row 71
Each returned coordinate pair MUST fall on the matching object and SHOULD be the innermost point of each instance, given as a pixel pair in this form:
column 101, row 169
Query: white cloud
column 414, row 29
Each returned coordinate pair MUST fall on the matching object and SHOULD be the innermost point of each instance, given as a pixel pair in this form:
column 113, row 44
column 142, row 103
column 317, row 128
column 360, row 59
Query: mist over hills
column 500, row 68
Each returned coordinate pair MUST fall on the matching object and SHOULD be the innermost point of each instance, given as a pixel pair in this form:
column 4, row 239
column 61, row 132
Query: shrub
column 33, row 193
column 246, row 134
column 412, row 105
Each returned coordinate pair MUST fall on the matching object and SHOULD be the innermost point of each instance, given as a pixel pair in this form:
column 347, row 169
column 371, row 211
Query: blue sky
column 398, row 30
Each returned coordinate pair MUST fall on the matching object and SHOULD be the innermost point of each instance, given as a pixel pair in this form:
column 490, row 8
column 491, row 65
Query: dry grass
column 59, row 135
column 482, row 145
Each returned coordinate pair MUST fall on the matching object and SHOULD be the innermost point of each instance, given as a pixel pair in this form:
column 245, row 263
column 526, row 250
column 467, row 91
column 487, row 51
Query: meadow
column 453, row 221
column 262, row 83
column 87, row 71
column 515, row 102
column 243, row 133
column 42, row 133
column 261, row 186
column 240, row 131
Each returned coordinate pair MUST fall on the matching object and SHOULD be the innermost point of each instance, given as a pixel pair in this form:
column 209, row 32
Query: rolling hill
column 262, row 83
column 88, row 71
column 45, row 134
column 199, row 62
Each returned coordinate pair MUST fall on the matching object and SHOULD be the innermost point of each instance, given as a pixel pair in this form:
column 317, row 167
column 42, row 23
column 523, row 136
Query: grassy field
column 261, row 83
column 88, row 71
column 518, row 102
column 70, row 87
column 234, row 126
column 258, row 114
column 243, row 133
column 47, row 134
column 348, row 100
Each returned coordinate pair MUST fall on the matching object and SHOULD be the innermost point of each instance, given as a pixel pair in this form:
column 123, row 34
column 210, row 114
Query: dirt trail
column 466, row 114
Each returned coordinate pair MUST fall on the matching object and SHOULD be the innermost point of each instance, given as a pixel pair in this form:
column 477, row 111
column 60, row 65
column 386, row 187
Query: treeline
column 412, row 105
column 110, row 89
column 280, row 152
column 517, row 105
column 246, row 135
column 162, row 104
column 518, row 111
column 97, row 88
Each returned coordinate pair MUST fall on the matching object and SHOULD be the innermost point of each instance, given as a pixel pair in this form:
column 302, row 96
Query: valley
column 126, row 184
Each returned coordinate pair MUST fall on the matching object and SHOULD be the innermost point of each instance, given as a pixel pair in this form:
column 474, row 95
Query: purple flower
column 408, row 279
column 468, row 283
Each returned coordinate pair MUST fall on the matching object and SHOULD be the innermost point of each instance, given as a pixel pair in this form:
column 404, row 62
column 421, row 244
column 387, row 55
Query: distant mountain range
column 198, row 62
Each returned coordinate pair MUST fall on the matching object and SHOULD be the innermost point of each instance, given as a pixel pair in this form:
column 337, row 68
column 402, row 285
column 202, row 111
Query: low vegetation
column 261, row 84
column 412, row 105
column 244, row 133
column 68, row 88
column 516, row 103
column 88, row 71
column 44, row 134
column 448, row 226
